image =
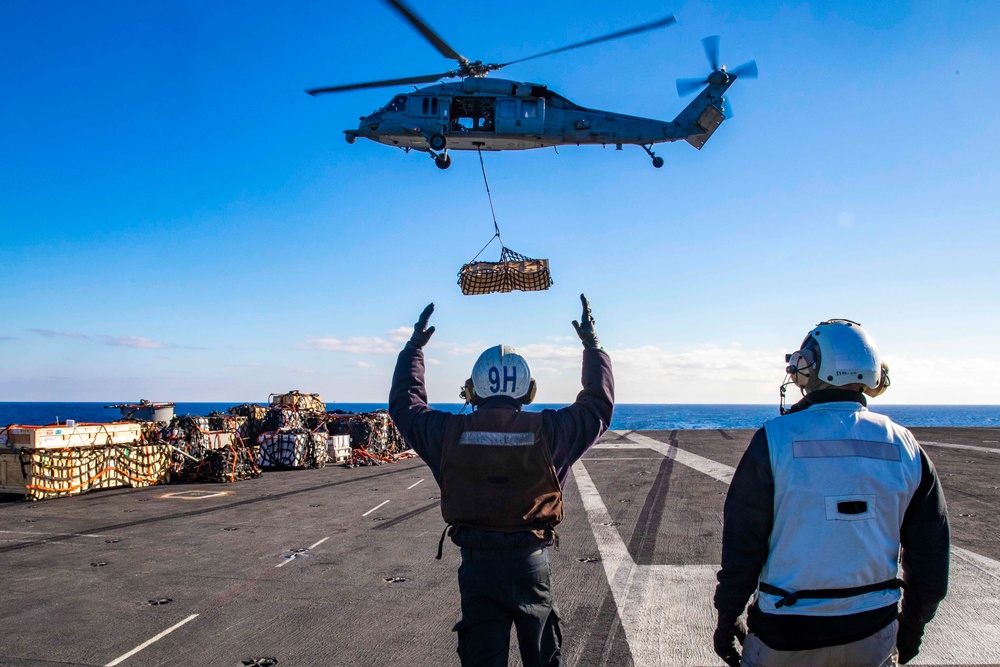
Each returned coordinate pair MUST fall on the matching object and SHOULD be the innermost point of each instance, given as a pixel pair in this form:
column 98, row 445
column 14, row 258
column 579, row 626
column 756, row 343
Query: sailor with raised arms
column 501, row 471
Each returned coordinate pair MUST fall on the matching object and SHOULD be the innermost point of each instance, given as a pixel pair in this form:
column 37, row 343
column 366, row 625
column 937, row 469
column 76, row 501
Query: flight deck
column 335, row 566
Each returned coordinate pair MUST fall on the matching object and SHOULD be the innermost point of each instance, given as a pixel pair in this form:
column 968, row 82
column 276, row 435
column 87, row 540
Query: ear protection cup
column 530, row 396
column 469, row 393
column 801, row 366
column 883, row 382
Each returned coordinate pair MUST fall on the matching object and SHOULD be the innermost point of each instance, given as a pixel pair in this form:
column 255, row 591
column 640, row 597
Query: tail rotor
column 719, row 75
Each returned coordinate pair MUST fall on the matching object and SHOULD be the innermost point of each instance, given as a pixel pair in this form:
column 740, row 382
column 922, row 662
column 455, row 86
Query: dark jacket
column 748, row 518
column 570, row 431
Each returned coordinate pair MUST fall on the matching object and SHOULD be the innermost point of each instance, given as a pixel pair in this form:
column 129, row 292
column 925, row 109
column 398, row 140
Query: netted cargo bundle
column 253, row 416
column 512, row 272
column 222, row 421
column 282, row 417
column 374, row 437
column 299, row 401
column 202, row 453
column 55, row 472
column 196, row 463
column 184, row 425
column 292, row 449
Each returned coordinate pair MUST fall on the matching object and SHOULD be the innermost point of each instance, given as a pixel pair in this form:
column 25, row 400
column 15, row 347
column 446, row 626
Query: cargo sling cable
column 513, row 272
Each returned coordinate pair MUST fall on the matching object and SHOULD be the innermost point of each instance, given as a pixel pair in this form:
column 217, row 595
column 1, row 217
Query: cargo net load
column 374, row 437
column 209, row 449
column 67, row 461
column 512, row 272
column 293, row 432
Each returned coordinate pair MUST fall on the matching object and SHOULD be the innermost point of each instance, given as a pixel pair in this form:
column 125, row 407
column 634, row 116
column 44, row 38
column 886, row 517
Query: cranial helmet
column 500, row 371
column 838, row 353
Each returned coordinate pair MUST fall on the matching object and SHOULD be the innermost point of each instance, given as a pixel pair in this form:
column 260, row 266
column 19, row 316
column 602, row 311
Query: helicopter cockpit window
column 398, row 103
column 529, row 109
column 507, row 109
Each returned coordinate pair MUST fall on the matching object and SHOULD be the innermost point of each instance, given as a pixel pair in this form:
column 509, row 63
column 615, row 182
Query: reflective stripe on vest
column 843, row 478
column 497, row 439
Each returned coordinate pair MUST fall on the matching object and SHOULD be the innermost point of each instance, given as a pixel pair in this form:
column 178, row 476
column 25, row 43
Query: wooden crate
column 57, row 436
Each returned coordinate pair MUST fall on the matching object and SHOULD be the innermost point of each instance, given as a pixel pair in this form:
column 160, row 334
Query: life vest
column 843, row 478
column 497, row 473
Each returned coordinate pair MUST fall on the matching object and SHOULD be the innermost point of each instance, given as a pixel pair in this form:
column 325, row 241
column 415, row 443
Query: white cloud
column 400, row 335
column 359, row 345
column 138, row 342
column 390, row 344
column 49, row 333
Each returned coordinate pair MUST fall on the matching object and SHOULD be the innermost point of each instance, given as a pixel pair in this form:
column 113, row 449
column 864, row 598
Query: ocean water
column 627, row 416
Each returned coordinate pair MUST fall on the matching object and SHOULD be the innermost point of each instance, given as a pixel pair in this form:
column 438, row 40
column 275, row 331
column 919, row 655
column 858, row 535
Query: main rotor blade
column 667, row 20
column 749, row 70
column 429, row 78
column 685, row 86
column 426, row 31
column 711, row 45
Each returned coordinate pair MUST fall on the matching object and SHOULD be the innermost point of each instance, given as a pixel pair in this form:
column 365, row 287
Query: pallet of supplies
column 57, row 460
column 292, row 449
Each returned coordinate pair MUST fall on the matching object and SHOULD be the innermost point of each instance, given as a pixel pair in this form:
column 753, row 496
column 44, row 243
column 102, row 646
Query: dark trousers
column 503, row 587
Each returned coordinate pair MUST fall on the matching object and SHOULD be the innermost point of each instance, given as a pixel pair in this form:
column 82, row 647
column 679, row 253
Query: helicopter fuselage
column 497, row 114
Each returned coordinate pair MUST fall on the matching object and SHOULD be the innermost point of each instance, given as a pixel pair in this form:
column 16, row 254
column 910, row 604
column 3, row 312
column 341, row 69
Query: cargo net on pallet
column 52, row 473
column 298, row 401
column 512, row 272
column 374, row 437
column 293, row 432
column 72, row 458
column 209, row 449
column 288, row 449
column 251, row 418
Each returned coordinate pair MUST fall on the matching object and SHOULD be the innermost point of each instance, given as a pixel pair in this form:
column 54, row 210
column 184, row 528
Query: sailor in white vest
column 835, row 525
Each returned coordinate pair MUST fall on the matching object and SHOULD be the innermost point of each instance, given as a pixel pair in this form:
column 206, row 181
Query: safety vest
column 843, row 478
column 497, row 473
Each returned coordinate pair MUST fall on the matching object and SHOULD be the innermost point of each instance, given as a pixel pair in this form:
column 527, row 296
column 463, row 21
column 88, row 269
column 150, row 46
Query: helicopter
column 483, row 114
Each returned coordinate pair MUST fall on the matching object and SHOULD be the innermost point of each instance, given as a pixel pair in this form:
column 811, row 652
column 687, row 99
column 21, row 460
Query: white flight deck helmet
column 838, row 353
column 500, row 371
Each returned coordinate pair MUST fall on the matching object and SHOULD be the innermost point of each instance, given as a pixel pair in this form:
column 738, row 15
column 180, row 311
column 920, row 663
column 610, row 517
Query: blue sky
column 180, row 221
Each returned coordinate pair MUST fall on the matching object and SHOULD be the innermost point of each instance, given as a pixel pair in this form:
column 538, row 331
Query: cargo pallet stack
column 69, row 459
column 375, row 438
column 294, row 432
column 209, row 449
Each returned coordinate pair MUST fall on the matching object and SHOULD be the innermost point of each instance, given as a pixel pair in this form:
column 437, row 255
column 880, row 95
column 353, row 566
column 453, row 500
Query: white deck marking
column 667, row 614
column 150, row 641
column 988, row 450
column 665, row 610
column 375, row 508
column 319, row 543
column 719, row 471
column 414, row 484
column 288, row 559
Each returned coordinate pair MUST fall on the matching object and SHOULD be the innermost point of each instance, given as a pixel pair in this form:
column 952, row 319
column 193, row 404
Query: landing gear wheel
column 438, row 142
column 657, row 162
column 350, row 138
column 442, row 161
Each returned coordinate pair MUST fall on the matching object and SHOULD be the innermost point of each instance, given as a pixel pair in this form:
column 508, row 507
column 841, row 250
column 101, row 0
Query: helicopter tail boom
column 703, row 116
